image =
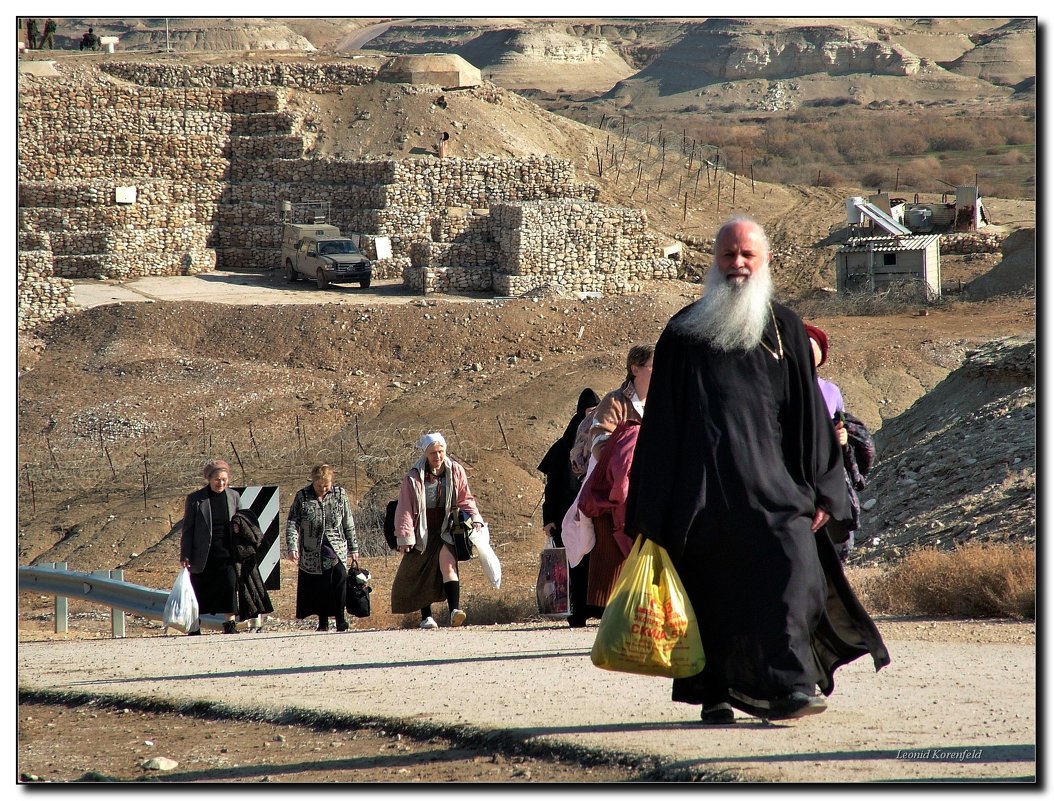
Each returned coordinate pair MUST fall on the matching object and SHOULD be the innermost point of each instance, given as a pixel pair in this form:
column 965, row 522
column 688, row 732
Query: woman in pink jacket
column 435, row 489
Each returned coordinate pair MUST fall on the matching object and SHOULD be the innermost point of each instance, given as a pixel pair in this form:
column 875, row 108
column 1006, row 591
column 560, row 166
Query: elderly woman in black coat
column 206, row 545
column 561, row 489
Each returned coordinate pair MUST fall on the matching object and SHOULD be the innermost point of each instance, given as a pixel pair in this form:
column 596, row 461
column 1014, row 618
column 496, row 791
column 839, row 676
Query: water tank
column 919, row 218
column 852, row 213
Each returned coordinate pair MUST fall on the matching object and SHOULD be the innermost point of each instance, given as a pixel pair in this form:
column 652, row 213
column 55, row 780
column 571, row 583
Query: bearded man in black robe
column 736, row 472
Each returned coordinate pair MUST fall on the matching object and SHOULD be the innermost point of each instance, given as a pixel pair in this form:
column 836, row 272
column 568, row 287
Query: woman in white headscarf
column 435, row 487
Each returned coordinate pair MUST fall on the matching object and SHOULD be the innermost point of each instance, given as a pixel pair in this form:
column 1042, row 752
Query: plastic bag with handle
column 488, row 560
column 181, row 608
column 649, row 626
column 553, row 589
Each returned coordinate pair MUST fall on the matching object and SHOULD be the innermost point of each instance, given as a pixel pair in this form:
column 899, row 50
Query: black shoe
column 795, row 705
column 194, row 633
column 323, row 624
column 718, row 715
column 230, row 627
column 342, row 624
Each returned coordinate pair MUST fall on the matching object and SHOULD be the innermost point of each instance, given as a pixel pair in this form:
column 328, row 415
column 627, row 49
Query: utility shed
column 878, row 262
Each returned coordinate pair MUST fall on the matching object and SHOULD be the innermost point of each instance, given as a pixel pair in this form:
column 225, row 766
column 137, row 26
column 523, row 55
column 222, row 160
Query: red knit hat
column 821, row 339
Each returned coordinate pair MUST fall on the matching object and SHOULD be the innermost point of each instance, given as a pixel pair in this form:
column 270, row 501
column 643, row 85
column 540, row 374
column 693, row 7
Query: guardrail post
column 117, row 615
column 62, row 605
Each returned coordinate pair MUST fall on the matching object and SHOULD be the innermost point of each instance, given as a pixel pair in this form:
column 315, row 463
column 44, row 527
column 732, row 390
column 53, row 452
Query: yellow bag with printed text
column 648, row 626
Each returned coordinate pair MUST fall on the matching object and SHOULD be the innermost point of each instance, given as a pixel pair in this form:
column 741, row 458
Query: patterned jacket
column 309, row 519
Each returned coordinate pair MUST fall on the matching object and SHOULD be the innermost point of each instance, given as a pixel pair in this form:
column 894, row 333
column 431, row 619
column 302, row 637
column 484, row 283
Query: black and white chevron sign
column 264, row 502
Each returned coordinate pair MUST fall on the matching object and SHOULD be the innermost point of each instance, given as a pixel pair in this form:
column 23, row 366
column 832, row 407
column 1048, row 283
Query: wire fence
column 646, row 159
column 370, row 460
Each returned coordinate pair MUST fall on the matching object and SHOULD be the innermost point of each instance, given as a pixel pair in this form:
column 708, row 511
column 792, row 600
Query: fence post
column 116, row 615
column 62, row 605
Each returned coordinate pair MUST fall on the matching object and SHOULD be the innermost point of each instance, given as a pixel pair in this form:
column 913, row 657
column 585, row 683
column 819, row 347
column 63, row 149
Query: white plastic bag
column 488, row 560
column 576, row 529
column 181, row 608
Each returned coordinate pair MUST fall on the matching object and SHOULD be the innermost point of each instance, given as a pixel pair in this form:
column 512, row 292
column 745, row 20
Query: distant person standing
column 48, row 40
column 443, row 145
column 90, row 41
column 856, row 442
column 206, row 546
column 432, row 494
column 31, row 34
column 320, row 540
column 561, row 490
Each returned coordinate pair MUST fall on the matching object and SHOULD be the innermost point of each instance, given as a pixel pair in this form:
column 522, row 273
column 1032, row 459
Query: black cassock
column 735, row 453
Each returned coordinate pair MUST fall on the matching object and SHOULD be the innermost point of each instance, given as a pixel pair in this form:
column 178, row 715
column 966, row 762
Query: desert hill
column 119, row 405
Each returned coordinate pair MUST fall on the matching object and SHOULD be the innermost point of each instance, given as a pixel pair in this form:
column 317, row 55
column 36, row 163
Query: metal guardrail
column 104, row 587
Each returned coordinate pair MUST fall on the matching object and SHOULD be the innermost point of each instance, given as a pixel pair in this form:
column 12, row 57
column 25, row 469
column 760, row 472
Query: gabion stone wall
column 971, row 243
column 317, row 77
column 385, row 269
column 448, row 279
column 575, row 245
column 212, row 151
column 41, row 296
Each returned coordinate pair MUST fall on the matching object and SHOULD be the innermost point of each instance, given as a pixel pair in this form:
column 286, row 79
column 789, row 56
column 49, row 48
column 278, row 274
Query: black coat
column 246, row 538
column 734, row 456
column 196, row 536
column 561, row 484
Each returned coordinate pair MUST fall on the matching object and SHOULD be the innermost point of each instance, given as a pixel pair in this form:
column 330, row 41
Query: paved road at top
column 356, row 40
column 942, row 711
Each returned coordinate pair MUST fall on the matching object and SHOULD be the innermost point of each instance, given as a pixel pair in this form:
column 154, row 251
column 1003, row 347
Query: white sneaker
column 429, row 623
column 457, row 617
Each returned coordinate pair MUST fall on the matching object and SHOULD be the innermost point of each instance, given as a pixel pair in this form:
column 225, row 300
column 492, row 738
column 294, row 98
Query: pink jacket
column 608, row 485
column 411, row 524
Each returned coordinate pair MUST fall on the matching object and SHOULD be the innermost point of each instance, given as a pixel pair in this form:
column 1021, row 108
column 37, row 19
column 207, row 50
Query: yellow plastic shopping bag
column 649, row 626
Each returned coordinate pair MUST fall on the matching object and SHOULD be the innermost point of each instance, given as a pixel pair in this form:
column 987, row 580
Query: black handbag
column 389, row 525
column 357, row 597
column 460, row 528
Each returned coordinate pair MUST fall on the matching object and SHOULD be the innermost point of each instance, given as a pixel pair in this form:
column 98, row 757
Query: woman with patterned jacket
column 320, row 538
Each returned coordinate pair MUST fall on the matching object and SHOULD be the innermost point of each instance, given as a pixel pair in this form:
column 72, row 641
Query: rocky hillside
column 960, row 464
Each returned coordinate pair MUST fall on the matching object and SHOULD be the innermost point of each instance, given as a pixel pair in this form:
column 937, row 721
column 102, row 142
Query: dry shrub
column 484, row 610
column 506, row 608
column 975, row 580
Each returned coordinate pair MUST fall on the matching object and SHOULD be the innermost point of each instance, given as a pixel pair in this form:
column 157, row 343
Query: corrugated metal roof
column 887, row 244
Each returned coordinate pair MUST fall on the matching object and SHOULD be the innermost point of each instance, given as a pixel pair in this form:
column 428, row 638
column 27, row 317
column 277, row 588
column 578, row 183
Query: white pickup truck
column 320, row 252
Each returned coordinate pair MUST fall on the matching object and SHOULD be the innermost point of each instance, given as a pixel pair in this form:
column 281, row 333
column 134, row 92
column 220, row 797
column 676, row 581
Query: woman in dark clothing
column 320, row 538
column 206, row 546
column 561, row 489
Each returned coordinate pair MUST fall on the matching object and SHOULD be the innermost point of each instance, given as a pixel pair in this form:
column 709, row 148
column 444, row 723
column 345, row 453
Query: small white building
column 876, row 263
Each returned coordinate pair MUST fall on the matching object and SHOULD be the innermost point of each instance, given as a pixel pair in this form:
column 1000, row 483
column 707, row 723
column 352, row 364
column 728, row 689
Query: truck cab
column 319, row 251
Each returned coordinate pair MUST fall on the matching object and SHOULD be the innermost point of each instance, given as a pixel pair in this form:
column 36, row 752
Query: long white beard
column 731, row 317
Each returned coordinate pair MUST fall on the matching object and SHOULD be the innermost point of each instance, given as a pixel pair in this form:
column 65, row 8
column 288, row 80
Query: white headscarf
column 430, row 439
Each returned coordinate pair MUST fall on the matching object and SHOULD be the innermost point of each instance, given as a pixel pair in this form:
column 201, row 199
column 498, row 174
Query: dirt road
column 957, row 703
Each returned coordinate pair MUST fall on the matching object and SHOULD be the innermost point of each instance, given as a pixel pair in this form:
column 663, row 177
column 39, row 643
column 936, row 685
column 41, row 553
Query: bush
column 976, row 580
column 484, row 611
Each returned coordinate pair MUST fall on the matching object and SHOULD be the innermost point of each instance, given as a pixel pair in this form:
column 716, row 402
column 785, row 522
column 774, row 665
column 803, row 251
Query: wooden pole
column 239, row 458
column 32, row 493
column 501, row 428
column 252, row 440
column 357, row 440
column 47, row 441
column 684, row 216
